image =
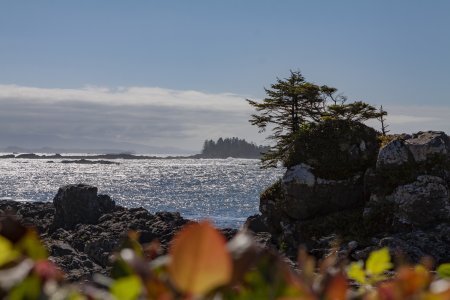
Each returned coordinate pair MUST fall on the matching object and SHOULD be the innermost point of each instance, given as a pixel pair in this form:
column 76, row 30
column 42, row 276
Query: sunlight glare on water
column 223, row 190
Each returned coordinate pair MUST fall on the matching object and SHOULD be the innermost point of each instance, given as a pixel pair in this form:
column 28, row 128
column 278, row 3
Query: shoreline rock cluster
column 82, row 229
column 398, row 196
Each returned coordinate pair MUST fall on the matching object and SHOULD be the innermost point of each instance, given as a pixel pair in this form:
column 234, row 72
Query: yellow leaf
column 378, row 262
column 356, row 272
column 200, row 260
column 127, row 288
column 7, row 252
column 31, row 246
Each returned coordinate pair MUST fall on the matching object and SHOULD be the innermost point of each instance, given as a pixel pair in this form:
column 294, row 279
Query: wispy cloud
column 137, row 96
column 413, row 118
column 138, row 118
column 147, row 116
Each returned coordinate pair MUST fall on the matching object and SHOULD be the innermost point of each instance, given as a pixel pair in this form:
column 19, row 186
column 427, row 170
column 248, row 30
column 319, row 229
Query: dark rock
column 89, row 162
column 28, row 155
column 229, row 233
column 307, row 196
column 81, row 249
column 335, row 149
column 256, row 224
column 400, row 200
column 79, row 204
column 269, row 206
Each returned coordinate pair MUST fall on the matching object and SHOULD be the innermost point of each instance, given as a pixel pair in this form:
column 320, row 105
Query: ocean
column 225, row 191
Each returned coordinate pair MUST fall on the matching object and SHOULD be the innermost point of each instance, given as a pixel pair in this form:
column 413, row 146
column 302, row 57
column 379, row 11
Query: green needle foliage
column 293, row 104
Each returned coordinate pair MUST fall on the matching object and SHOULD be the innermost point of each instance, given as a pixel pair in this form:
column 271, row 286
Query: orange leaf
column 412, row 281
column 200, row 260
column 337, row 288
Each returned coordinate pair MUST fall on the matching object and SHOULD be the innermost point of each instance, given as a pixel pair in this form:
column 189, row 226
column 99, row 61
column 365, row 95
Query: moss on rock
column 336, row 149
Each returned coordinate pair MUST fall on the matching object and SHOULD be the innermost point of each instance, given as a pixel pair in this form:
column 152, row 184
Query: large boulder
column 307, row 196
column 79, row 204
column 420, row 204
column 394, row 154
column 82, row 249
column 335, row 149
column 411, row 183
column 337, row 186
column 428, row 145
column 323, row 187
column 424, row 202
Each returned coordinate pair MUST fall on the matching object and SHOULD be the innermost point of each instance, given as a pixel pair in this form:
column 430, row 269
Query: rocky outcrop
column 79, row 204
column 307, row 196
column 422, row 203
column 401, row 199
column 335, row 149
column 414, row 191
column 81, row 229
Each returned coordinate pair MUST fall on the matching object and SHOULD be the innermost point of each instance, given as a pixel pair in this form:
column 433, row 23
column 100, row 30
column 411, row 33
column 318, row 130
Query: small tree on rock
column 292, row 104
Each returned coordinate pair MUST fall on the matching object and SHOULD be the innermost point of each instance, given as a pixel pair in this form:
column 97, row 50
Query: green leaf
column 378, row 262
column 7, row 252
column 444, row 271
column 31, row 246
column 127, row 288
column 356, row 272
column 29, row 288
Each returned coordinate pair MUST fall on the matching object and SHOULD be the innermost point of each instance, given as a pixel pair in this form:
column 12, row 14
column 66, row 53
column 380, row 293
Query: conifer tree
column 293, row 103
column 290, row 103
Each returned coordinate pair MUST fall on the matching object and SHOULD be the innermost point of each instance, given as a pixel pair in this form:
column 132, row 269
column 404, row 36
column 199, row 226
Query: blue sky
column 394, row 53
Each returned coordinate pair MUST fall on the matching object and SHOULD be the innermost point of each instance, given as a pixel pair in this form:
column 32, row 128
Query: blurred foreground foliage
column 201, row 265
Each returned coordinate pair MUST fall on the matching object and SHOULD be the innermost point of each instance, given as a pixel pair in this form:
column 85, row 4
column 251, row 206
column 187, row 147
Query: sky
column 163, row 76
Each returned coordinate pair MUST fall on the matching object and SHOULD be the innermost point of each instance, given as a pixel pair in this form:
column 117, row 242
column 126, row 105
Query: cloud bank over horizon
column 143, row 119
column 132, row 118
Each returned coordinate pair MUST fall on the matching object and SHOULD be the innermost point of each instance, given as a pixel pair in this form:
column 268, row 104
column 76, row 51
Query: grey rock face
column 307, row 196
column 393, row 154
column 79, row 204
column 402, row 201
column 425, row 202
column 424, row 145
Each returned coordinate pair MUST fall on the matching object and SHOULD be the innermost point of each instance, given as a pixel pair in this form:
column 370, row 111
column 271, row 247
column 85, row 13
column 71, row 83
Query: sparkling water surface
column 225, row 191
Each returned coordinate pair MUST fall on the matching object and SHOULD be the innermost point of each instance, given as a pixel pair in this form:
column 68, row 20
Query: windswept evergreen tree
column 293, row 103
column 290, row 103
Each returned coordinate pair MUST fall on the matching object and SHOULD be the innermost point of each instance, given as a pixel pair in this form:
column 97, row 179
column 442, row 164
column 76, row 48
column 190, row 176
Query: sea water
column 225, row 191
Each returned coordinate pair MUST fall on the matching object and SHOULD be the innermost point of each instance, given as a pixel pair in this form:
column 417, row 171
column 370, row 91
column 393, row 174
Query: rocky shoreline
column 82, row 229
column 398, row 196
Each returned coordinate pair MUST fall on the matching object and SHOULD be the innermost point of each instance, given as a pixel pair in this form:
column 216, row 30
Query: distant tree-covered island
column 231, row 147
